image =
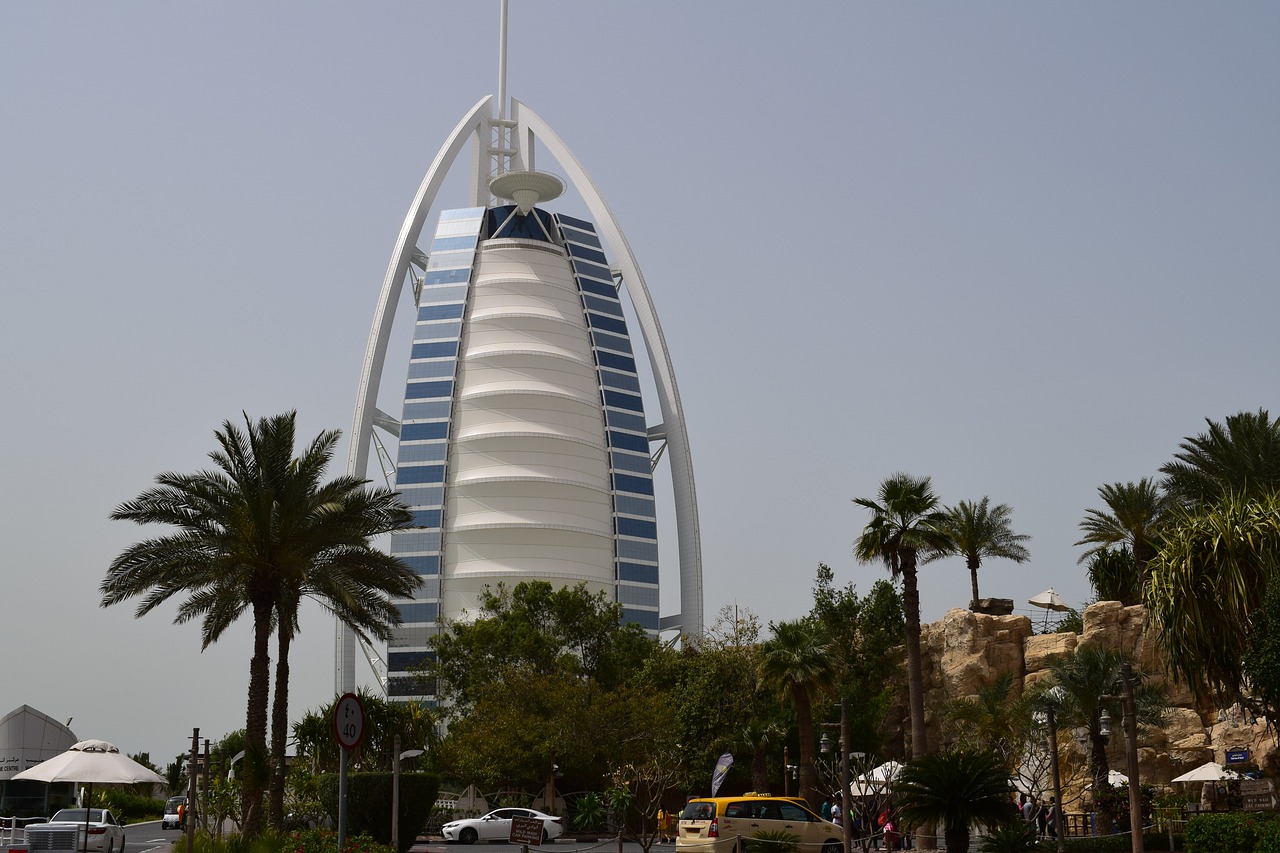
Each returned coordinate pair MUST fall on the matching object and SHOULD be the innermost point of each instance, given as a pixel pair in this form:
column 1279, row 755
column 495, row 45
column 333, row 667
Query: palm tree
column 246, row 534
column 1208, row 581
column 955, row 788
column 995, row 719
column 1133, row 516
column 797, row 664
column 906, row 525
column 979, row 530
column 1113, row 574
column 1090, row 682
column 1242, row 456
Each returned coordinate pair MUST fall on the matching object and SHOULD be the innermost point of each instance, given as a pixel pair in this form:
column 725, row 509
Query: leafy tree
column 535, row 626
column 979, row 530
column 906, row 524
column 385, row 719
column 1133, row 515
column 1241, row 457
column 1261, row 662
column 1209, row 580
column 797, row 664
column 994, row 720
column 955, row 788
column 248, row 533
column 1113, row 574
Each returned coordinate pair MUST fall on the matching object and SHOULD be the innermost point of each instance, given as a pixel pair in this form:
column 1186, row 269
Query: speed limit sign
column 348, row 721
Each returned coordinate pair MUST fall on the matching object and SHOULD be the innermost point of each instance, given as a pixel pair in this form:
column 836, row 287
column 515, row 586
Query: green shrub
column 326, row 841
column 131, row 807
column 1228, row 832
column 1011, row 837
column 773, row 841
column 268, row 842
column 369, row 804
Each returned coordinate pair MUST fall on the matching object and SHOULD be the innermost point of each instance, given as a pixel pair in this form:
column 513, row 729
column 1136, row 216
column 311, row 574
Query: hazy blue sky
column 1023, row 248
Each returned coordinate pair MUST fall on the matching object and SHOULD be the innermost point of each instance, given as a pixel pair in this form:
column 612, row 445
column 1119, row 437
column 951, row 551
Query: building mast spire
column 502, row 63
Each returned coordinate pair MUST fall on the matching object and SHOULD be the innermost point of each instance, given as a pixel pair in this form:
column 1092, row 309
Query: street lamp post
column 846, row 816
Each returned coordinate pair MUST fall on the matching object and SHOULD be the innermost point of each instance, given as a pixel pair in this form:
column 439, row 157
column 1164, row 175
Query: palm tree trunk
column 973, row 575
column 255, row 729
column 279, row 730
column 915, row 676
column 804, row 722
column 759, row 767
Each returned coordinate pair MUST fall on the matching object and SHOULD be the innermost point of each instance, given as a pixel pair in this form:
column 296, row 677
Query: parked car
column 496, row 826
column 171, row 819
column 106, row 834
column 723, row 824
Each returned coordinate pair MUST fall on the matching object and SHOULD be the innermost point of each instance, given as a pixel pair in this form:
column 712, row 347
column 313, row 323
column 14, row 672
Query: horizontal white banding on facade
column 499, row 244
column 499, row 354
column 481, row 435
column 471, row 481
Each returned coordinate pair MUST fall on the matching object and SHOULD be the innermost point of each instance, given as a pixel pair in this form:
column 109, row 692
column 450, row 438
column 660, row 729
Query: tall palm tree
column 955, row 788
column 1113, row 574
column 797, row 663
column 245, row 531
column 1133, row 515
column 980, row 530
column 1241, row 456
column 1090, row 680
column 906, row 525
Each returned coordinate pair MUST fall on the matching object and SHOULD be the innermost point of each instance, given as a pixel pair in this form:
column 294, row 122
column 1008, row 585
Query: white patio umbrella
column 1210, row 771
column 874, row 781
column 1049, row 600
column 91, row 762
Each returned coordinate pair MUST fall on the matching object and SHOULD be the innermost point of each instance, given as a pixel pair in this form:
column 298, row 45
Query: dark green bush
column 369, row 804
column 130, row 807
column 1229, row 832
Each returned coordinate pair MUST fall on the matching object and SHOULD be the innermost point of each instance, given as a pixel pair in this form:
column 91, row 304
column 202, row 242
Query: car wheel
column 111, row 846
column 467, row 836
column 546, row 836
column 832, row 847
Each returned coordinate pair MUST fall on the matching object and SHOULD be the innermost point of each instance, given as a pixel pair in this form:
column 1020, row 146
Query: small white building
column 28, row 737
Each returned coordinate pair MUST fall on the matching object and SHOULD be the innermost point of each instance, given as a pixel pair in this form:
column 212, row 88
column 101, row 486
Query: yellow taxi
column 723, row 824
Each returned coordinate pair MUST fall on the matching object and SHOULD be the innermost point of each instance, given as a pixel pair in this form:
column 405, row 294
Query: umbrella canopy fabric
column 92, row 762
column 1210, row 771
column 1049, row 600
column 874, row 781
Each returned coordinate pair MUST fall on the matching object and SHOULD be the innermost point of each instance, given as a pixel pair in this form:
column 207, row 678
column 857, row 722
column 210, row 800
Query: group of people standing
column 884, row 827
column 1045, row 817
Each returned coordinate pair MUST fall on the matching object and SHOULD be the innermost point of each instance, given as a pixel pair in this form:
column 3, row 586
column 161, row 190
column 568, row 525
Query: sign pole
column 348, row 728
column 342, row 798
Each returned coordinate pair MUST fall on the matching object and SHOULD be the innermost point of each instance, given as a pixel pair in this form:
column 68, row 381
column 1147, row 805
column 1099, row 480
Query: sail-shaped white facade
column 522, row 442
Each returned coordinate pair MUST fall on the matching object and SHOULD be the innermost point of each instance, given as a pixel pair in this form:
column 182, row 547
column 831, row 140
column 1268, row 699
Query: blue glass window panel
column 434, row 410
column 423, row 496
column 621, row 381
column 617, row 362
column 612, row 324
column 637, row 573
column 573, row 222
column 432, row 369
column 605, row 306
column 424, row 432
column 415, row 542
column 643, row 596
column 636, row 485
column 620, row 400
column 647, row 619
column 408, row 687
column 442, row 349
column 631, row 462
column 437, row 331
column 631, row 505
column 587, row 254
column 404, row 661
column 636, row 527
column 459, row 260
column 432, row 452
column 626, row 441
column 606, row 341
column 445, row 311
column 583, row 237
column 449, row 244
column 427, row 390
column 427, row 517
column 422, row 565
column 644, row 550
column 600, row 287
column 409, row 474
column 443, row 293
column 447, row 276
column 624, row 420
column 593, row 270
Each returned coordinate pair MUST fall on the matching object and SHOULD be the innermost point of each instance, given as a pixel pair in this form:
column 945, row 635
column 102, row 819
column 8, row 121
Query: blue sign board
column 1237, row 756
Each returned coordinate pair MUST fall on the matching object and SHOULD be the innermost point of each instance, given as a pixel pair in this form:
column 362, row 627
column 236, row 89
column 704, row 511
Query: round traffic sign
column 348, row 721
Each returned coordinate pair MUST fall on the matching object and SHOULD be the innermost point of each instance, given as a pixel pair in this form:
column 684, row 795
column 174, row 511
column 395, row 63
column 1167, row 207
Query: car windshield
column 77, row 816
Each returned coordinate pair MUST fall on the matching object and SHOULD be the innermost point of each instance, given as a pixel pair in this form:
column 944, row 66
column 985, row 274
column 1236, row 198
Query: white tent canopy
column 1210, row 771
column 877, row 780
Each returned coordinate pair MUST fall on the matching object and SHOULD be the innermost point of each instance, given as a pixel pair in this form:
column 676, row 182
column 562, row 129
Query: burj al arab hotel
column 524, row 443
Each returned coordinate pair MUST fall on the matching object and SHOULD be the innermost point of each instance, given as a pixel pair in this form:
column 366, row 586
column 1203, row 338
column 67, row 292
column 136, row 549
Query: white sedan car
column 106, row 834
column 496, row 826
